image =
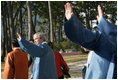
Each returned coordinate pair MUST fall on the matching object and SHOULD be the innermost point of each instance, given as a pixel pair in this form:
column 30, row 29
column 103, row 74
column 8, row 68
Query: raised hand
column 19, row 36
column 100, row 13
column 68, row 11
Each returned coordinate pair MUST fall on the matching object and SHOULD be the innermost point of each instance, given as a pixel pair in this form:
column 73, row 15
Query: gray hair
column 41, row 35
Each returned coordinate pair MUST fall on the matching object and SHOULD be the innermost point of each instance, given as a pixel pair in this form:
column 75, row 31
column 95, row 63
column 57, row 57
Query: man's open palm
column 68, row 11
column 19, row 36
column 100, row 13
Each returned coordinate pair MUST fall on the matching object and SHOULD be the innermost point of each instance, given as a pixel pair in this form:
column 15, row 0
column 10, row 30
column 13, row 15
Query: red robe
column 60, row 62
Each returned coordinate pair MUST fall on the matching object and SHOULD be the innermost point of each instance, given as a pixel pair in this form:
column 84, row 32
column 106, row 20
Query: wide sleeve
column 32, row 49
column 9, row 68
column 109, row 29
column 76, row 32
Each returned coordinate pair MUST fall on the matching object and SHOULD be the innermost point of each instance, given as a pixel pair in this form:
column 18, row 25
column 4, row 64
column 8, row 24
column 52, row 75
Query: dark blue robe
column 102, row 63
column 47, row 65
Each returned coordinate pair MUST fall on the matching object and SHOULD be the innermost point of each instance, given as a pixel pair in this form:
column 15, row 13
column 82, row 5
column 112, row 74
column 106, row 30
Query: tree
column 17, row 15
column 29, row 20
column 4, row 32
column 11, row 22
column 51, row 29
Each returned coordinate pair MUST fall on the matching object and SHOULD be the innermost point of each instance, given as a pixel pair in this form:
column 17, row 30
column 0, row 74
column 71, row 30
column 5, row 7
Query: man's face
column 37, row 39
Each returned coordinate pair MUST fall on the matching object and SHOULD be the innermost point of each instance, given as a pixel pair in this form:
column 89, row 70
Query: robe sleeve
column 76, row 32
column 33, row 49
column 108, row 29
column 9, row 68
column 106, row 26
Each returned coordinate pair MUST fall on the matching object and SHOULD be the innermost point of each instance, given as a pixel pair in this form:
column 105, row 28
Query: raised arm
column 76, row 32
column 32, row 49
column 107, row 28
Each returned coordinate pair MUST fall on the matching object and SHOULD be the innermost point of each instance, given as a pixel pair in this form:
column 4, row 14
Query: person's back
column 16, row 66
column 60, row 63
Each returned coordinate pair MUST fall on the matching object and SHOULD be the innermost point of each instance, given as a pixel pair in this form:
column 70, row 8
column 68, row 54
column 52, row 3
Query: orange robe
column 16, row 65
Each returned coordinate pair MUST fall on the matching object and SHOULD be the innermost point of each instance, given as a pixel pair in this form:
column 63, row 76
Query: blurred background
column 29, row 17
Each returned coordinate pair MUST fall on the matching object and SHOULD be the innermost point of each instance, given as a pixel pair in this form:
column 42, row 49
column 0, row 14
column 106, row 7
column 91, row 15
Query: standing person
column 110, row 31
column 16, row 65
column 44, row 64
column 84, row 69
column 61, row 66
column 104, row 61
column 60, row 63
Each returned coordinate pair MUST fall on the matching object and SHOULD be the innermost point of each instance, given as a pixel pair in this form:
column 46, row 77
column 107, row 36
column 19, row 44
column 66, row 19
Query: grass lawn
column 75, row 58
column 68, row 59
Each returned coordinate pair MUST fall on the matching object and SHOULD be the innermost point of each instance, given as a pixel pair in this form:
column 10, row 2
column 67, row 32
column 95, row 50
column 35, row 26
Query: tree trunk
column 8, row 37
column 20, row 20
column 48, row 31
column 29, row 20
column 11, row 25
column 54, row 30
column 51, row 29
column 4, row 28
column 11, row 22
column 34, row 24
